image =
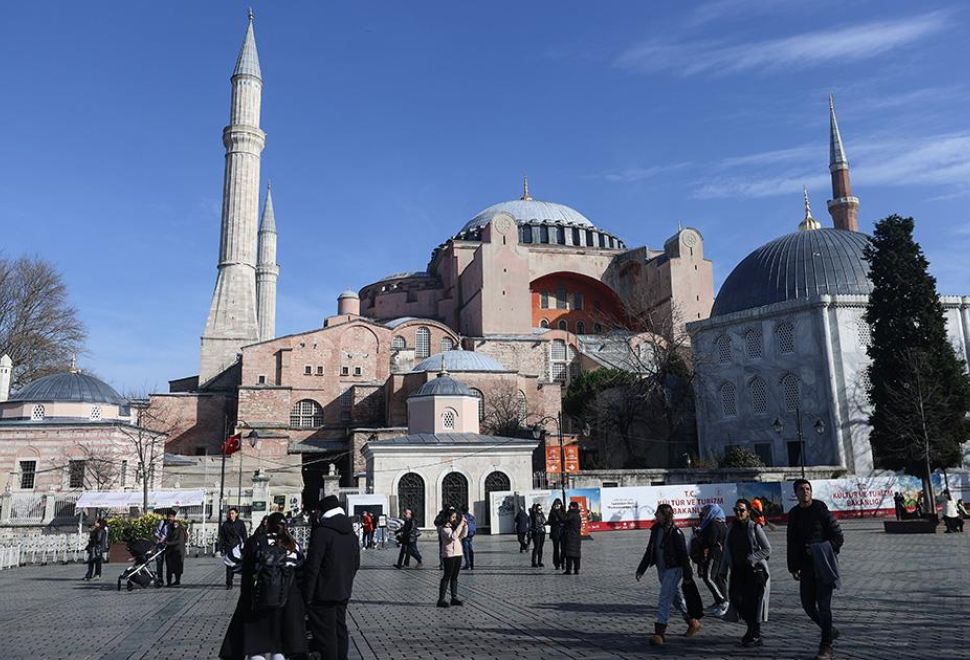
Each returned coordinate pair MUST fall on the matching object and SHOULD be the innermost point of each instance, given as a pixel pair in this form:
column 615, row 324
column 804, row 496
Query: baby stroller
column 140, row 575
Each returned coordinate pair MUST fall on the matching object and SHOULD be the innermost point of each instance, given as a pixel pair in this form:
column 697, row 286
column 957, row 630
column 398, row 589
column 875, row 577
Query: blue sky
column 391, row 124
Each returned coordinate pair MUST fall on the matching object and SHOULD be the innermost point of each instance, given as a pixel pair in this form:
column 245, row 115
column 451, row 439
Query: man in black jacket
column 328, row 578
column 407, row 536
column 810, row 523
column 232, row 533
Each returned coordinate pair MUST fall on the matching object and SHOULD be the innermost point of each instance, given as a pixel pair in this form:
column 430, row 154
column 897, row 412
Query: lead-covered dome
column 443, row 385
column 531, row 210
column 69, row 387
column 797, row 266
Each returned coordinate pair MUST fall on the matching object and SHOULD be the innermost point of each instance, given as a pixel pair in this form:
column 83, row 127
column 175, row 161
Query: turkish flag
column 232, row 444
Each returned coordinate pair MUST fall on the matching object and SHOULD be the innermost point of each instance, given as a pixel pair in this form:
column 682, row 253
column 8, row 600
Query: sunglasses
column 739, row 509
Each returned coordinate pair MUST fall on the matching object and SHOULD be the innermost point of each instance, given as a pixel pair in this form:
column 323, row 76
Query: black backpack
column 273, row 577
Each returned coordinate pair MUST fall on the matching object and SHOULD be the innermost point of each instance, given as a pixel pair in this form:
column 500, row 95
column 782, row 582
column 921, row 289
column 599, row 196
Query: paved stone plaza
column 904, row 597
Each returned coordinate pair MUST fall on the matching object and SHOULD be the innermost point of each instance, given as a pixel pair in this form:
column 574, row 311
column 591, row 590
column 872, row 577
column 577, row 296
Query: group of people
column 564, row 528
column 286, row 591
column 733, row 560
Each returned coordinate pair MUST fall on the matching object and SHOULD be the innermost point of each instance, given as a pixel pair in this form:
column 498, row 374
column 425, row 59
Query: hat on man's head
column 329, row 502
column 574, row 505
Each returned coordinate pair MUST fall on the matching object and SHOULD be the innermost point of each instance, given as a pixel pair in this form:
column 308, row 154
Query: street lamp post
column 253, row 437
column 779, row 426
column 537, row 432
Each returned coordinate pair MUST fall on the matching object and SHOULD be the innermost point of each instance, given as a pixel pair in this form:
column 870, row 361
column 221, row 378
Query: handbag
column 760, row 574
column 692, row 598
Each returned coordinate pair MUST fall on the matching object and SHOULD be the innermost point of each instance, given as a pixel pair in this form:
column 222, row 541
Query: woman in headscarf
column 557, row 523
column 707, row 551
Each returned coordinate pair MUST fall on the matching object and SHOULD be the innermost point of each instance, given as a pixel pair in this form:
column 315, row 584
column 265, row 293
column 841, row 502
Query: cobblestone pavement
column 904, row 597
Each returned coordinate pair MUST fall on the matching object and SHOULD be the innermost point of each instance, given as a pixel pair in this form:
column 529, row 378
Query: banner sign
column 553, row 459
column 572, row 459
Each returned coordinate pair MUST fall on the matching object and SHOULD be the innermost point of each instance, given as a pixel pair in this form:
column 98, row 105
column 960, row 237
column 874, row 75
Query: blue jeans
column 816, row 597
column 469, row 552
column 670, row 593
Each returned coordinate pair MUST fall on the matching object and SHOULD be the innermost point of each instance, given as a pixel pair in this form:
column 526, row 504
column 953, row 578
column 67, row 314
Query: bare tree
column 39, row 329
column 506, row 411
column 102, row 468
column 147, row 436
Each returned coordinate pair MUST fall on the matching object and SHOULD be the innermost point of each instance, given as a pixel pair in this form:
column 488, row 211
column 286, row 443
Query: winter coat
column 449, row 539
column 176, row 540
column 231, row 534
column 808, row 525
column 97, row 541
column 572, row 538
column 557, row 520
column 408, row 532
column 254, row 632
column 674, row 550
column 760, row 552
column 521, row 522
column 537, row 523
column 332, row 561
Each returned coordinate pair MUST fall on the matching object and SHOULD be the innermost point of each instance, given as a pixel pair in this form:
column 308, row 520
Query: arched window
column 785, row 337
column 495, row 482
column 543, row 234
column 306, row 414
column 561, row 300
column 422, row 343
column 557, row 361
column 722, row 348
column 729, row 400
column 447, row 344
column 790, row 392
column 753, row 342
column 561, row 235
column 481, row 403
column 580, row 328
column 398, row 343
column 758, row 391
column 454, row 490
column 563, row 325
column 544, row 300
column 521, row 407
column 448, row 418
column 37, row 413
column 410, row 495
column 543, row 323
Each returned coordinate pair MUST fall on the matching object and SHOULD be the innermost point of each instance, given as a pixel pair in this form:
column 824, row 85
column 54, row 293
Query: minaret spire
column 808, row 223
column 232, row 322
column 267, row 270
column 843, row 207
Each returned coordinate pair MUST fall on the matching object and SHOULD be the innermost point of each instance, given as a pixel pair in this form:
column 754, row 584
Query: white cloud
column 838, row 45
column 634, row 174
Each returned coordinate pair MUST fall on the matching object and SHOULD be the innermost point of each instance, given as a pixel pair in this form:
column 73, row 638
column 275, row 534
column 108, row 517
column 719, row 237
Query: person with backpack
column 537, row 529
column 707, row 551
column 328, row 579
column 466, row 543
column 232, row 534
column 268, row 623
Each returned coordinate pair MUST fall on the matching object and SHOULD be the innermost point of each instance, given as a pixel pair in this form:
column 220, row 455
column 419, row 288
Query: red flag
column 232, row 444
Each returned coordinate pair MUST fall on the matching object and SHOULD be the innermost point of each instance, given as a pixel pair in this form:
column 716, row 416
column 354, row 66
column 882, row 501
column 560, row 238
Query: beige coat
column 450, row 539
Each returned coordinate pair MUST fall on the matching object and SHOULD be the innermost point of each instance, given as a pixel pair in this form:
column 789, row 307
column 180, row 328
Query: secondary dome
column 459, row 360
column 797, row 266
column 443, row 385
column 530, row 210
column 72, row 386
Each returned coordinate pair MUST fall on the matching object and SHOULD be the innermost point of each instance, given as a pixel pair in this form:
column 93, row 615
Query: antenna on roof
column 525, row 189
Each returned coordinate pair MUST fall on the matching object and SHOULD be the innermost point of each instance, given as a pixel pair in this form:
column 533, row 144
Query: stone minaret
column 6, row 369
column 267, row 271
column 232, row 316
column 843, row 207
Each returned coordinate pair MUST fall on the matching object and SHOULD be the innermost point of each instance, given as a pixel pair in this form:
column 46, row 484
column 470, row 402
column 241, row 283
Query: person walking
column 232, row 534
column 814, row 541
column 268, row 623
column 96, row 547
column 951, row 514
column 332, row 562
column 452, row 530
column 537, row 529
column 178, row 536
column 367, row 520
column 900, row 505
column 557, row 523
column 407, row 536
column 667, row 550
column 572, row 540
column 746, row 558
column 522, row 529
column 708, row 551
column 467, row 547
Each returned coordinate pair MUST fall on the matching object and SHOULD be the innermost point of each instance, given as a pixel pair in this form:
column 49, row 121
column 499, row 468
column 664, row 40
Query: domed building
column 63, row 433
column 781, row 362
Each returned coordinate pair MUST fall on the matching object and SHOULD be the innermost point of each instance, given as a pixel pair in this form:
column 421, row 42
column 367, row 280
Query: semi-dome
column 443, row 385
column 459, row 360
column 71, row 386
column 797, row 266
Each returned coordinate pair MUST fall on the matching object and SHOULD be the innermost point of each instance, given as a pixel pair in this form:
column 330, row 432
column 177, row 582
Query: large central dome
column 796, row 266
column 530, row 210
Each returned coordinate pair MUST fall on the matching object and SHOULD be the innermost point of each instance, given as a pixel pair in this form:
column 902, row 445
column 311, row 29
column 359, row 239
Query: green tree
column 919, row 391
column 739, row 457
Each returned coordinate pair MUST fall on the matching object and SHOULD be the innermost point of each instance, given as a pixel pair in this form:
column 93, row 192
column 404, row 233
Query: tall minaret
column 267, row 271
column 232, row 316
column 843, row 207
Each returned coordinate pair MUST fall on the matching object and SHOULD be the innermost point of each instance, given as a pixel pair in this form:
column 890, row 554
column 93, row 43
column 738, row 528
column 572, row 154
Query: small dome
column 459, row 360
column 443, row 385
column 69, row 387
column 530, row 210
column 348, row 294
column 797, row 266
